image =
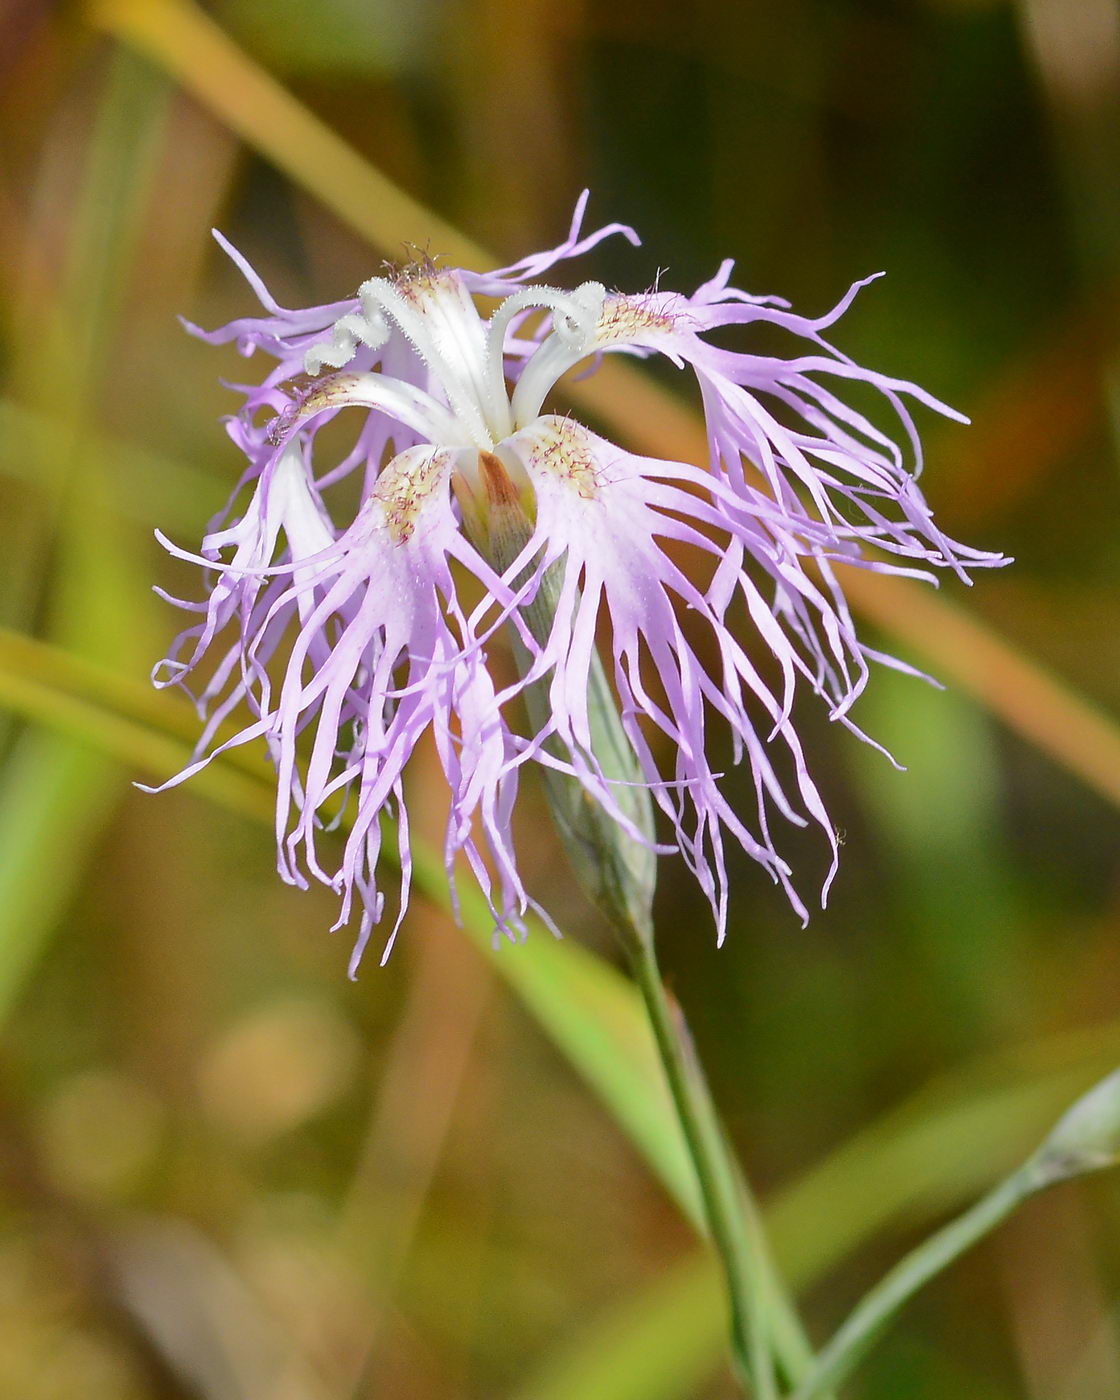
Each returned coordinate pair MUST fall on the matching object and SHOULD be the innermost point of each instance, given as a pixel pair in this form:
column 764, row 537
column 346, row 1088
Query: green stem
column 718, row 1178
column 616, row 865
column 788, row 1338
column 877, row 1308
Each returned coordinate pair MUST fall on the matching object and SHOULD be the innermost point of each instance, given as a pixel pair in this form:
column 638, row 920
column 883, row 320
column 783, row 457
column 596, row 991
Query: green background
column 225, row 1171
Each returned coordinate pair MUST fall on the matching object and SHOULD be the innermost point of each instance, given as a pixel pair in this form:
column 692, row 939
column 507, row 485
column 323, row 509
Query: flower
column 349, row 639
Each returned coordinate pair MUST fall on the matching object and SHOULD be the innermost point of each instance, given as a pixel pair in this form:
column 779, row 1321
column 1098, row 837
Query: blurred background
column 226, row 1171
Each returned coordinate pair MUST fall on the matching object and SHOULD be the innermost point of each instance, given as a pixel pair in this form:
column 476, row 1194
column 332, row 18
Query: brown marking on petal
column 403, row 490
column 562, row 450
column 419, row 282
column 309, row 398
column 629, row 318
column 328, row 392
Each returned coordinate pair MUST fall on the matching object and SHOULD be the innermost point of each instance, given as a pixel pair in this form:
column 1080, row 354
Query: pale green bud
column 1086, row 1138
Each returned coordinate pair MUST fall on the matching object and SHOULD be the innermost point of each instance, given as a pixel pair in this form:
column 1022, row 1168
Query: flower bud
column 616, row 867
column 1086, row 1138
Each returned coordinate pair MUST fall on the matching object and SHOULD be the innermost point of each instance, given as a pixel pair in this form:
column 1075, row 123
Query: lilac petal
column 604, row 512
column 499, row 282
column 349, row 641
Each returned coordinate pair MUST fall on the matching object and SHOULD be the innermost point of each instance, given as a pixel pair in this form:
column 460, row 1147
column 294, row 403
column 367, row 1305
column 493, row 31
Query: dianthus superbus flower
column 484, row 514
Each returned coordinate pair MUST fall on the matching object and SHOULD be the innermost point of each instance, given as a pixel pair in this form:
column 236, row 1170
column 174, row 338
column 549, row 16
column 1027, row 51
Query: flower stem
column 1085, row 1139
column 615, row 862
column 878, row 1307
column 762, row 1322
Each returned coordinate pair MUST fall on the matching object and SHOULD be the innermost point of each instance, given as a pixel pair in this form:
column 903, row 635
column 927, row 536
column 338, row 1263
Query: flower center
column 458, row 362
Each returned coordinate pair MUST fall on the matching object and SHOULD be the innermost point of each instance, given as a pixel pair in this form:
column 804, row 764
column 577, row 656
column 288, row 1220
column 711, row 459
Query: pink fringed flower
column 347, row 640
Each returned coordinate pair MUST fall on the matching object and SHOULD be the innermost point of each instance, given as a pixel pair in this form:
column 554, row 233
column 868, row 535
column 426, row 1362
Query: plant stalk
column 878, row 1307
column 749, row 1295
column 616, row 865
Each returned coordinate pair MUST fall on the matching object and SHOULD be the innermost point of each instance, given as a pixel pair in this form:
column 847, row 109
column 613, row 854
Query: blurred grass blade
column 1029, row 699
column 149, row 486
column 940, row 1147
column 82, row 701
column 180, row 39
column 946, row 814
column 56, row 793
column 592, row 1014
